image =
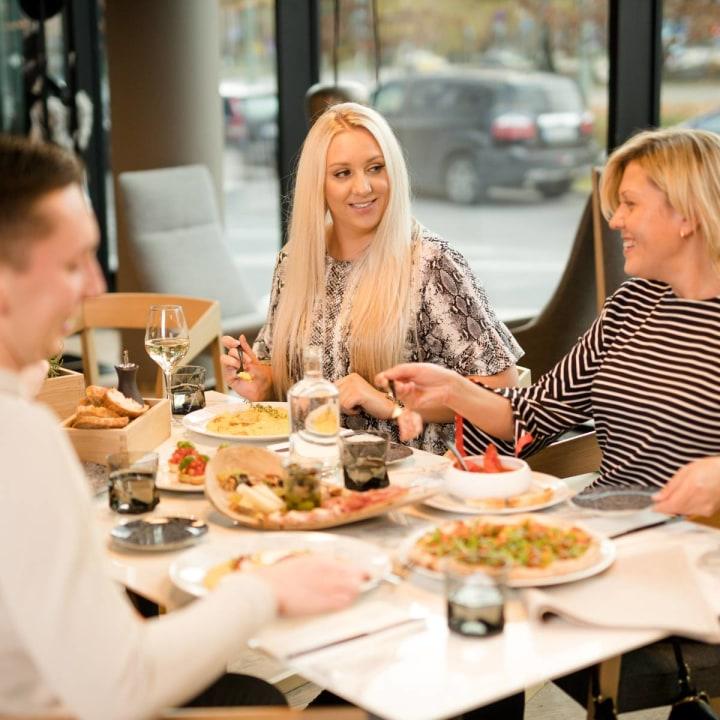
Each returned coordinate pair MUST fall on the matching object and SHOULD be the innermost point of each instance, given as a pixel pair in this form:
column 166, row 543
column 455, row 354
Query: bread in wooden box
column 142, row 433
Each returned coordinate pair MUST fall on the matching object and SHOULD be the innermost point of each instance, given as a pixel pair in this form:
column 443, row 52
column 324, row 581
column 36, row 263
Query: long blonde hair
column 685, row 165
column 379, row 291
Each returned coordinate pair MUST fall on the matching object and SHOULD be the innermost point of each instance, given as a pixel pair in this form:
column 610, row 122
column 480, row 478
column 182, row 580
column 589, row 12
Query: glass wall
column 249, row 95
column 690, row 90
column 20, row 79
column 12, row 94
column 501, row 108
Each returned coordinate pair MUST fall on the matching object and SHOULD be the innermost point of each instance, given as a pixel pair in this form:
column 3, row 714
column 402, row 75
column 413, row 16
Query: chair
column 593, row 271
column 233, row 713
column 569, row 457
column 127, row 311
column 263, row 713
column 176, row 237
column 651, row 672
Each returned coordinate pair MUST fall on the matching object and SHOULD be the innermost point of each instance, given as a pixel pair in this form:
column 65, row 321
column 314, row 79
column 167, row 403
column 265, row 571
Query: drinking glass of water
column 188, row 389
column 476, row 601
column 364, row 459
column 131, row 480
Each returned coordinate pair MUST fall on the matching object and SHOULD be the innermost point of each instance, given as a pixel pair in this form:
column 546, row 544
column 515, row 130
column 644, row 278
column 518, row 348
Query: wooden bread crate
column 143, row 433
column 62, row 393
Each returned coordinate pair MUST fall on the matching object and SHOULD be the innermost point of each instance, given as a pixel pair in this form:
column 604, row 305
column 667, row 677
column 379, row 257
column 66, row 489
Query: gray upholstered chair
column 176, row 238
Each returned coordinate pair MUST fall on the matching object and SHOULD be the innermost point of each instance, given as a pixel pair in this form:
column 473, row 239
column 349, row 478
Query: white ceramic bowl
column 478, row 485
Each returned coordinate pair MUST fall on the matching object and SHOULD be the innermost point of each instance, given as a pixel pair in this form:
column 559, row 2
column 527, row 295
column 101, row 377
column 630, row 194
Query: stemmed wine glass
column 167, row 340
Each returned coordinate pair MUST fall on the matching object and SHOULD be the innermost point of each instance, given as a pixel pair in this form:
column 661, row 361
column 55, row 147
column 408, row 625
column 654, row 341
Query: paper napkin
column 287, row 637
column 649, row 589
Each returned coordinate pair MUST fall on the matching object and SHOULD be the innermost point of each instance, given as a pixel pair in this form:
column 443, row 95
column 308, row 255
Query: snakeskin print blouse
column 455, row 327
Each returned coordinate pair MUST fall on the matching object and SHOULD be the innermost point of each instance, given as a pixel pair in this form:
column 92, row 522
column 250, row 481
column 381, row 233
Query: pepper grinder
column 127, row 379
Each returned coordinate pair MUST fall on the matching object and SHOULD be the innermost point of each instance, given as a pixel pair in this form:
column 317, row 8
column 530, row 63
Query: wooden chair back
column 595, row 260
column 233, row 713
column 266, row 713
column 566, row 458
column 607, row 249
column 129, row 311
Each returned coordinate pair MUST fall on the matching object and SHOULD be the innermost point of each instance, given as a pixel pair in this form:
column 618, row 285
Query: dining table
column 412, row 667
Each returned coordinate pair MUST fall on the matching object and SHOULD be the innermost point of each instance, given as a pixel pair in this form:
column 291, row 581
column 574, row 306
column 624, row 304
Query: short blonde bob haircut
column 685, row 165
column 377, row 301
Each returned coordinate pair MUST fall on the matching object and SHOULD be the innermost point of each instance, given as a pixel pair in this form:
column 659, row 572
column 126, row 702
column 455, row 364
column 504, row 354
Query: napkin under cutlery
column 645, row 589
column 289, row 638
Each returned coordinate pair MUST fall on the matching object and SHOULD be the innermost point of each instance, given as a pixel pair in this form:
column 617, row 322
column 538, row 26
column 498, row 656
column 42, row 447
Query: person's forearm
column 443, row 414
column 490, row 412
column 439, row 414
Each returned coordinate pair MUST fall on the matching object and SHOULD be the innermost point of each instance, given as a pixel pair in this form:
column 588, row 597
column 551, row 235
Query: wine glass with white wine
column 167, row 340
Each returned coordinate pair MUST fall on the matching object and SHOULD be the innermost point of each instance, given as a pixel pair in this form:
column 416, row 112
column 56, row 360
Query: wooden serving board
column 414, row 494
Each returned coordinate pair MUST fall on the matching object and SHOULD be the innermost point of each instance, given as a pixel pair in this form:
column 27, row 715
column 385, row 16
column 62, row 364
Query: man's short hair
column 29, row 171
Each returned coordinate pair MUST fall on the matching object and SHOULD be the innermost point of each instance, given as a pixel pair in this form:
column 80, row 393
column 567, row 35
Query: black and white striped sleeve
column 559, row 400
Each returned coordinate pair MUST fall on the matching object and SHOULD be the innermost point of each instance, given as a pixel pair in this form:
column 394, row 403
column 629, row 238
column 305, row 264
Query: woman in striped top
column 647, row 370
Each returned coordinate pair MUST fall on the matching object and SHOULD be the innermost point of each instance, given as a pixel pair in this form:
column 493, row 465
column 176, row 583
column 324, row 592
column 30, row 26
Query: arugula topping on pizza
column 528, row 546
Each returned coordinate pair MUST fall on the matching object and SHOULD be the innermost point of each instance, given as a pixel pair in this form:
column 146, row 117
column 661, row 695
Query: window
column 506, row 113
column 390, row 98
column 12, row 93
column 426, row 96
column 690, row 90
column 248, row 91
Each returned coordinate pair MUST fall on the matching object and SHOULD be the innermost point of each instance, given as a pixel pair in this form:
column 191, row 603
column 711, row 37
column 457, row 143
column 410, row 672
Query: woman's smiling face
column 650, row 228
column 356, row 182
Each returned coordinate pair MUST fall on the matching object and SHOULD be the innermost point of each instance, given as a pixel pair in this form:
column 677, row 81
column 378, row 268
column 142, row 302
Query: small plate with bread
column 166, row 480
column 184, row 469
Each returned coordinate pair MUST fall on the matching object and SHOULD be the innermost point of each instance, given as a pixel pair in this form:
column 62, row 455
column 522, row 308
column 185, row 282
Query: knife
column 285, row 445
column 657, row 523
column 357, row 636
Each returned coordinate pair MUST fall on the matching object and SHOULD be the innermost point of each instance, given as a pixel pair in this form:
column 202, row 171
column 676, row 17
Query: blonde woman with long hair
column 365, row 282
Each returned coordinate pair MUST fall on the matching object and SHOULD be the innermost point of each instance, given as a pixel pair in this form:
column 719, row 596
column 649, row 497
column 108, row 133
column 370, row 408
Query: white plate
column 166, row 480
column 197, row 422
column 450, row 503
column 604, row 561
column 189, row 570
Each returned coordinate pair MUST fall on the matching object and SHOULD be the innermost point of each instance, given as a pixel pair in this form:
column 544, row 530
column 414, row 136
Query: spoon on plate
column 459, row 457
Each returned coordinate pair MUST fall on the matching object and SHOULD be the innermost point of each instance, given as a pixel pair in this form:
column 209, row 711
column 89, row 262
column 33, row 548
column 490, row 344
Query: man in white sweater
column 68, row 636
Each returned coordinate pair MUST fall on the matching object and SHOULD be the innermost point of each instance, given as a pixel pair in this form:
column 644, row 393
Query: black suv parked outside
column 464, row 131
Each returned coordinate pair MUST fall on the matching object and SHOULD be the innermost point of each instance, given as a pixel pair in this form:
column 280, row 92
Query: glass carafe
column 315, row 418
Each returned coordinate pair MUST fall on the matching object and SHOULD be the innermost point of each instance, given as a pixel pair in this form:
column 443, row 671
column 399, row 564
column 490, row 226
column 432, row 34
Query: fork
column 238, row 350
column 459, row 457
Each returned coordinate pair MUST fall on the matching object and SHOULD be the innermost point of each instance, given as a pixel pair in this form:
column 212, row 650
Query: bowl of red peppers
column 488, row 476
